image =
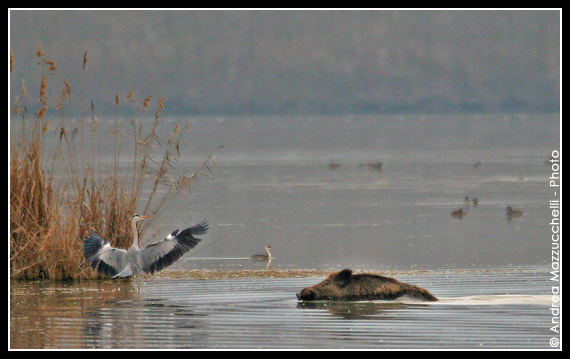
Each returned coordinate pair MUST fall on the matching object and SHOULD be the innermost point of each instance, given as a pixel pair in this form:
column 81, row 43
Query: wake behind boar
column 345, row 285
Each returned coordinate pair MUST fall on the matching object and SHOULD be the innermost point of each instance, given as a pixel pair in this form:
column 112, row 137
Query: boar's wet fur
column 345, row 285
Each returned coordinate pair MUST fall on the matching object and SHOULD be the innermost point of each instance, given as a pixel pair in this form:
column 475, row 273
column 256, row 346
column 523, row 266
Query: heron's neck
column 268, row 254
column 135, row 244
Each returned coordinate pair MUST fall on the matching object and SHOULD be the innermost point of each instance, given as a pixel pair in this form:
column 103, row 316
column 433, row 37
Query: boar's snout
column 306, row 294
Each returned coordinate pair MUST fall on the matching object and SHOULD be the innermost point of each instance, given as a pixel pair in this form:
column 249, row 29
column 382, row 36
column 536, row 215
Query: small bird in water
column 263, row 257
column 473, row 201
column 372, row 165
column 459, row 213
column 513, row 213
column 333, row 165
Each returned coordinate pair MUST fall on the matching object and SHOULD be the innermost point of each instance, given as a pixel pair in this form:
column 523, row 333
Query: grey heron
column 116, row 262
column 263, row 257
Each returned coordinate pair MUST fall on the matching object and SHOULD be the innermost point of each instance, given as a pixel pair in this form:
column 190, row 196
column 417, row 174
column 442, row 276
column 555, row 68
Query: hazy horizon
column 299, row 61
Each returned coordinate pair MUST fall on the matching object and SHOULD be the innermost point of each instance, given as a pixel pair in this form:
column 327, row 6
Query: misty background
column 454, row 105
column 233, row 62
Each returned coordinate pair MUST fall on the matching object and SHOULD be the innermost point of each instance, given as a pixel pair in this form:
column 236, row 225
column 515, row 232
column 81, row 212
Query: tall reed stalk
column 57, row 198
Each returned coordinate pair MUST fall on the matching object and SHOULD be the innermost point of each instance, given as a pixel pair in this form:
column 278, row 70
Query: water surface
column 273, row 185
column 502, row 308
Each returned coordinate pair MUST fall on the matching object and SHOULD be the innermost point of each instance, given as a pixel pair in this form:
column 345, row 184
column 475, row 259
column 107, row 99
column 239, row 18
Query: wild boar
column 345, row 285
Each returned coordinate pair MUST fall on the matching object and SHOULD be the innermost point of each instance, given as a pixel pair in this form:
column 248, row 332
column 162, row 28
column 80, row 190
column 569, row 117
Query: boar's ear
column 343, row 277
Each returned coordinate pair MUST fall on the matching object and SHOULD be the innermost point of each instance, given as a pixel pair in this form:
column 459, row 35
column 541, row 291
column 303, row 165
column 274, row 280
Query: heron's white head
column 138, row 217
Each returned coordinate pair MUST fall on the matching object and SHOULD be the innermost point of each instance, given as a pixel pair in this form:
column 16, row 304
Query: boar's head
column 332, row 288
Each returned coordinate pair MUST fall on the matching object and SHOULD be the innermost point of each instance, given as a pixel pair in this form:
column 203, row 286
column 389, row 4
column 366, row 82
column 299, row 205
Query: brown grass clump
column 57, row 198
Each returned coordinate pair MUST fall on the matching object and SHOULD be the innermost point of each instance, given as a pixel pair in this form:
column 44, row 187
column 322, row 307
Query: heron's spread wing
column 162, row 254
column 109, row 261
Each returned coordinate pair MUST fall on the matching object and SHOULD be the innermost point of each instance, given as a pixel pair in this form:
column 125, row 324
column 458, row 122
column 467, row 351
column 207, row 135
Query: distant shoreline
column 176, row 108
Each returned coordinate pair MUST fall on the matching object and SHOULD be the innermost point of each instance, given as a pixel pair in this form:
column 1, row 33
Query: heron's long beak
column 145, row 217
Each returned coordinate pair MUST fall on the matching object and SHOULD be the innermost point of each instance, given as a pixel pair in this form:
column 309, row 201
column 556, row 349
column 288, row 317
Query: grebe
column 263, row 257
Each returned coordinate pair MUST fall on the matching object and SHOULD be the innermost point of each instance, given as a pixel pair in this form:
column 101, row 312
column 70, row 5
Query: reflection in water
column 41, row 310
column 111, row 313
column 153, row 323
column 360, row 310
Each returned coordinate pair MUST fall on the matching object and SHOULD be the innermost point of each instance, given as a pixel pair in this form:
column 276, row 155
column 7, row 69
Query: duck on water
column 513, row 213
column 459, row 213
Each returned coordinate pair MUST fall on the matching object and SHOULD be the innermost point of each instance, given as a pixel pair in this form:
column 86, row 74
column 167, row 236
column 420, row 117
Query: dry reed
column 58, row 198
